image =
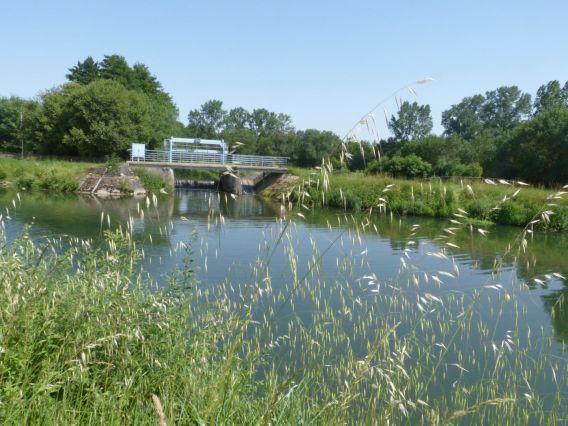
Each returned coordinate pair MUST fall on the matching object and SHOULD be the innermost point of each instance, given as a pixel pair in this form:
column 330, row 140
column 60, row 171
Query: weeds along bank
column 60, row 176
column 50, row 175
column 498, row 202
column 87, row 337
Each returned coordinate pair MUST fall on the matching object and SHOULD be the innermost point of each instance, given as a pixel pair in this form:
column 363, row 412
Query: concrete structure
column 205, row 154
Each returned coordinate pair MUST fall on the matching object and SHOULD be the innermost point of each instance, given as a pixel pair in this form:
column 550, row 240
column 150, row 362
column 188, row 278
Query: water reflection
column 231, row 236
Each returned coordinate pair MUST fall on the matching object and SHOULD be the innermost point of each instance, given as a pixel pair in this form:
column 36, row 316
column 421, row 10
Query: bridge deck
column 207, row 166
column 210, row 161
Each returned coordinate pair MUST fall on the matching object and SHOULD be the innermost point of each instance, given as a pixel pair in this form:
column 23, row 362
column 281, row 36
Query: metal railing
column 187, row 157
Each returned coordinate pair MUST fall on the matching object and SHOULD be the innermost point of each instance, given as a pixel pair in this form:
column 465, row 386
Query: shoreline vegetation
column 482, row 201
column 486, row 201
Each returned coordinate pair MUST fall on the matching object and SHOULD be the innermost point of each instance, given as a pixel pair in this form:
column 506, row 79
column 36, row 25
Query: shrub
column 113, row 163
column 3, row 174
column 411, row 166
column 151, row 181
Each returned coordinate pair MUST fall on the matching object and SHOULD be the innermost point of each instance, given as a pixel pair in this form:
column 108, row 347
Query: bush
column 151, row 181
column 3, row 174
column 469, row 170
column 447, row 168
column 411, row 166
column 113, row 163
column 374, row 167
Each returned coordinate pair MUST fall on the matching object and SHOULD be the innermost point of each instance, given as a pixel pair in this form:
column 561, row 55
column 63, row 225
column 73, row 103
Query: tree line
column 106, row 105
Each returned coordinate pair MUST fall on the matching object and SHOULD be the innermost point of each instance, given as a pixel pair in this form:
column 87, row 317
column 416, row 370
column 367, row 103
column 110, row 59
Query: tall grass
column 49, row 175
column 496, row 202
column 153, row 183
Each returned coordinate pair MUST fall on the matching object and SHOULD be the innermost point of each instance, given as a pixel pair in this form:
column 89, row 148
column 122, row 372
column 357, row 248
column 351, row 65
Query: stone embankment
column 104, row 182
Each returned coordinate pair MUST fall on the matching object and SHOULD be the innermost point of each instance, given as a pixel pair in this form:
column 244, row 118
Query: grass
column 432, row 198
column 48, row 175
column 153, row 183
column 87, row 337
column 199, row 175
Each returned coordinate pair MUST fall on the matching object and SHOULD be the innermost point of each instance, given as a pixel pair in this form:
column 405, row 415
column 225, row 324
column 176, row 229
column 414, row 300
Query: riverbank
column 49, row 175
column 496, row 202
column 113, row 178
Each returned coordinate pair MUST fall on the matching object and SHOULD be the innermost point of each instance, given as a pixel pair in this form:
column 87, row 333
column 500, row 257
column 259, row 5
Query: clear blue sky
column 325, row 63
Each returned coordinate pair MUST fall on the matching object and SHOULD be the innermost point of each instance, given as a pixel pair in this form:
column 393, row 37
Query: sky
column 325, row 63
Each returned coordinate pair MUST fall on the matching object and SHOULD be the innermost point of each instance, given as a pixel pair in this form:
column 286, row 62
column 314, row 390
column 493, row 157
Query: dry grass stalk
column 159, row 410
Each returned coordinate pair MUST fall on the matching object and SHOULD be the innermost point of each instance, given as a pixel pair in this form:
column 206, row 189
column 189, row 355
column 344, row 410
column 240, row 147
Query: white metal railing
column 179, row 157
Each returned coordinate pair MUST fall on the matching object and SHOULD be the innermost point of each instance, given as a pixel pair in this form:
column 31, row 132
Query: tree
column 313, row 145
column 536, row 150
column 465, row 119
column 237, row 118
column 413, row 122
column 208, row 120
column 97, row 119
column 550, row 96
column 263, row 121
column 16, row 117
column 505, row 107
column 84, row 72
column 162, row 110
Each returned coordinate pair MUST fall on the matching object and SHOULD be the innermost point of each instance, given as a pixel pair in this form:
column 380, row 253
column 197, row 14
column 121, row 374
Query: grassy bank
column 500, row 203
column 49, row 175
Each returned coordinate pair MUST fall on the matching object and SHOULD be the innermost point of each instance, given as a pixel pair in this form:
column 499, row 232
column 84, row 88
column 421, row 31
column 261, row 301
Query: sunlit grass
column 501, row 202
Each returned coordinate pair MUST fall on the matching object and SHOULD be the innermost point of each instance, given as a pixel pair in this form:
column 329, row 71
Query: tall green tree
column 161, row 107
column 16, row 117
column 208, row 120
column 97, row 119
column 505, row 107
column 237, row 118
column 465, row 119
column 263, row 121
column 312, row 145
column 549, row 96
column 84, row 72
column 412, row 122
column 536, row 150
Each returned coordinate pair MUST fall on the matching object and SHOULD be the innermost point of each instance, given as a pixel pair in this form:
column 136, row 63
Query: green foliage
column 499, row 110
column 413, row 122
column 3, row 174
column 16, row 118
column 107, row 106
column 550, row 96
column 151, row 181
column 113, row 163
column 537, row 150
column 207, row 121
column 433, row 198
column 410, row 166
column 55, row 176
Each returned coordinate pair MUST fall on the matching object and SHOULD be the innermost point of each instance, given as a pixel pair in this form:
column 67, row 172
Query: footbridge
column 206, row 154
column 203, row 154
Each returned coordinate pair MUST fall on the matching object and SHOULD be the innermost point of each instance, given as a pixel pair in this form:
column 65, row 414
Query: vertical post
column 171, row 149
column 21, row 135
